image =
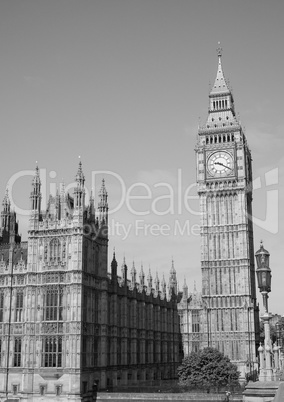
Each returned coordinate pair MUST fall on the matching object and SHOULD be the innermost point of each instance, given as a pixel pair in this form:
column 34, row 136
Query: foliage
column 208, row 368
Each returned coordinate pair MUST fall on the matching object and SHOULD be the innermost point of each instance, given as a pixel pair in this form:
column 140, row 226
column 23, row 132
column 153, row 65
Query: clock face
column 220, row 164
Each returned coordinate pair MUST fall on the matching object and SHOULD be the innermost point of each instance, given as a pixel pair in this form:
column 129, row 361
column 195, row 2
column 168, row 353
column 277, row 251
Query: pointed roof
column 172, row 270
column 220, row 85
column 114, row 262
column 80, row 178
column 36, row 178
column 103, row 192
column 133, row 269
column 6, row 199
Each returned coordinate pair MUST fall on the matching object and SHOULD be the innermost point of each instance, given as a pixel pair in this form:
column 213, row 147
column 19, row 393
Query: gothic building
column 229, row 317
column 65, row 321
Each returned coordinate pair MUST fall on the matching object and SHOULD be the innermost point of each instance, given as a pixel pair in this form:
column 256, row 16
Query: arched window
column 17, row 352
column 19, row 306
column 55, row 250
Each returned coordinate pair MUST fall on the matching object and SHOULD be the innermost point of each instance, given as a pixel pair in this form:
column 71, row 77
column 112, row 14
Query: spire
column 114, row 266
column 79, row 191
column 173, row 278
column 221, row 106
column 103, row 205
column 80, row 178
column 103, row 196
column 5, row 214
column 133, row 275
column 164, row 285
column 185, row 289
column 35, row 193
column 6, row 202
column 157, row 282
column 172, row 270
column 150, row 279
column 220, row 84
column 124, row 271
column 141, row 276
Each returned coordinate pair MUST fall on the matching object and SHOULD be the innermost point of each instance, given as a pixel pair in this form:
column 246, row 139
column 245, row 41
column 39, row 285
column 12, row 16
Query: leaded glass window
column 52, row 351
column 17, row 352
column 19, row 306
column 53, row 304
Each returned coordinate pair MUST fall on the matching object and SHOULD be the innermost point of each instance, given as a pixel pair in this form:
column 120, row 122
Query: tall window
column 195, row 321
column 19, row 306
column 53, row 304
column 17, row 352
column 55, row 250
column 52, row 351
column 1, row 306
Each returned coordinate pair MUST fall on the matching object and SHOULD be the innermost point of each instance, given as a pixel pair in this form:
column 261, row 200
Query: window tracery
column 52, row 351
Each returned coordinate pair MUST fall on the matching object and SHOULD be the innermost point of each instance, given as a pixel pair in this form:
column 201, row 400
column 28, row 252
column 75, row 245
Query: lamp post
column 263, row 273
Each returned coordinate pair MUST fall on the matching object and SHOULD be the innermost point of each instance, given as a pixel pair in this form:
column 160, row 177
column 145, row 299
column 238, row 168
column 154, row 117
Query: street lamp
column 263, row 273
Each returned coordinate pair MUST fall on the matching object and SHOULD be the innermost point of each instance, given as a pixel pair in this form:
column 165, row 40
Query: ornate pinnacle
column 80, row 178
column 219, row 50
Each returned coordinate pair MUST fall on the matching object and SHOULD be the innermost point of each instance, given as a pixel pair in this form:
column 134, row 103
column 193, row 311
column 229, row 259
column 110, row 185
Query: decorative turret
column 133, row 275
column 5, row 214
column 164, row 286
column 142, row 276
column 124, row 272
column 92, row 206
column 103, row 204
column 35, row 196
column 114, row 267
column 157, row 283
column 150, row 280
column 173, row 279
column 9, row 228
column 185, row 290
column 63, row 200
column 79, row 191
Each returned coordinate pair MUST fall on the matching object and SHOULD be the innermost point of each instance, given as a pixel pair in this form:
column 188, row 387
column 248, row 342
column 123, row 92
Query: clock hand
column 222, row 164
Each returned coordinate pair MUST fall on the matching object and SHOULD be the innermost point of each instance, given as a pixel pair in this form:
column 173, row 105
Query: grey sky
column 123, row 84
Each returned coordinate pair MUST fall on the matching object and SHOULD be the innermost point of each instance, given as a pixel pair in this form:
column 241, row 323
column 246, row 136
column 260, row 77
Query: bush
column 207, row 369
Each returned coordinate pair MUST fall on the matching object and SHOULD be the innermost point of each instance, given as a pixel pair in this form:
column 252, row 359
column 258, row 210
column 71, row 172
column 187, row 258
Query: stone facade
column 66, row 322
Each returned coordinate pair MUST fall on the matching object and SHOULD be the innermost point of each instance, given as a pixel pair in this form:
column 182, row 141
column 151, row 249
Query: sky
column 125, row 84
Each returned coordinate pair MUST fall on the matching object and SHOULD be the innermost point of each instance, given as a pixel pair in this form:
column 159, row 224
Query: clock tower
column 224, row 179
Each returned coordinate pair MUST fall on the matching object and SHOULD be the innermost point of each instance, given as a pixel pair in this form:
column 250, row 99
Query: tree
column 208, row 368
